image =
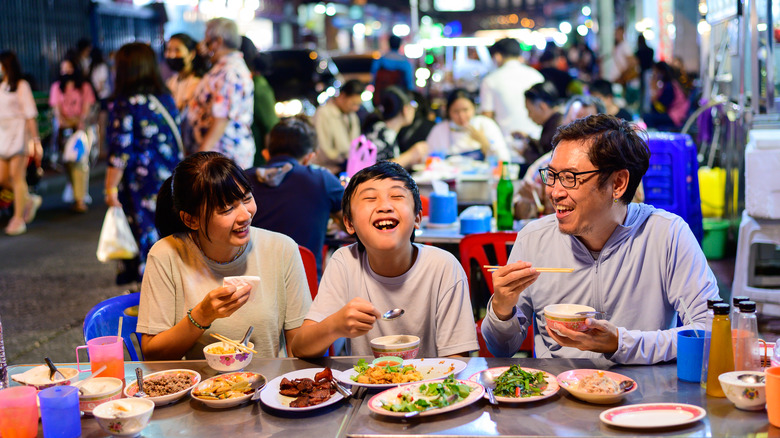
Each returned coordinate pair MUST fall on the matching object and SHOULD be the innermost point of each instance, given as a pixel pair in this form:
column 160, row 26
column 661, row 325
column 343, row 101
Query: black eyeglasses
column 567, row 178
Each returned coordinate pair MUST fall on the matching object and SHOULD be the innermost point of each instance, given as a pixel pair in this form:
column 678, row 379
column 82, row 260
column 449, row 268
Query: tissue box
column 762, row 186
column 443, row 208
column 476, row 219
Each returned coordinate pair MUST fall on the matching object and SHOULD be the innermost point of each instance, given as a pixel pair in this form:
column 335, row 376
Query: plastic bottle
column 504, row 195
column 746, row 357
column 735, row 310
column 721, row 353
column 3, row 362
column 707, row 338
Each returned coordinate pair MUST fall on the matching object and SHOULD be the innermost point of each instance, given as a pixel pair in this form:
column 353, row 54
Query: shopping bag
column 76, row 148
column 362, row 153
column 116, row 240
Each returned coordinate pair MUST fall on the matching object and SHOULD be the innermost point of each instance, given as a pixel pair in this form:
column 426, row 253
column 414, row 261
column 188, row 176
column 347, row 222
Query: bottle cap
column 739, row 299
column 721, row 308
column 747, row 306
column 712, row 301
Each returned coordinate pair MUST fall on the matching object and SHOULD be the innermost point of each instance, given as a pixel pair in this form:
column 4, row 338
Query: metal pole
column 415, row 17
column 755, row 70
column 770, row 60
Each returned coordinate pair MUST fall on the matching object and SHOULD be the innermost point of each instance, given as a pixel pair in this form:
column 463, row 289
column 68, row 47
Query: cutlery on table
column 139, row 375
column 486, row 379
column 260, row 382
column 53, row 371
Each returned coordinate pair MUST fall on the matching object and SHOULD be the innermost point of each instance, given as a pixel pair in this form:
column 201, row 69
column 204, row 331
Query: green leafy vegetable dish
column 516, row 382
column 425, row 396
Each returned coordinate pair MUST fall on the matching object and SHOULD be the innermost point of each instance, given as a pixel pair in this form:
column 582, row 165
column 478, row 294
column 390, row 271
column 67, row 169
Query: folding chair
column 103, row 320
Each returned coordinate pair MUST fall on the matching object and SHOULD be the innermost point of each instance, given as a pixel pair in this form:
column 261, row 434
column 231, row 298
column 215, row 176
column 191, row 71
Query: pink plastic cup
column 19, row 409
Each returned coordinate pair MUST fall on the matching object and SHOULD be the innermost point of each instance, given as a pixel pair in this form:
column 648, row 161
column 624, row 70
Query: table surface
column 559, row 415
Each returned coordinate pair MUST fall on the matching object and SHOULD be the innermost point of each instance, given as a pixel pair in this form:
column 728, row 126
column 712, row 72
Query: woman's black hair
column 391, row 104
column 200, row 64
column 11, row 68
column 78, row 76
column 201, row 184
column 137, row 71
column 459, row 93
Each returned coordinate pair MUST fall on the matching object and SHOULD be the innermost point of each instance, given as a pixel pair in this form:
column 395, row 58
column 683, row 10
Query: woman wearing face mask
column 395, row 111
column 182, row 57
column 19, row 139
column 71, row 99
column 465, row 133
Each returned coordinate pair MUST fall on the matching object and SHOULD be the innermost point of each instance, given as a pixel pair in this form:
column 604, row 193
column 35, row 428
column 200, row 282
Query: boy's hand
column 356, row 318
column 601, row 337
column 508, row 283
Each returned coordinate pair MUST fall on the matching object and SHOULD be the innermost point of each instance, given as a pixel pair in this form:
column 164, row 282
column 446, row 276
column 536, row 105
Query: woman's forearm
column 173, row 344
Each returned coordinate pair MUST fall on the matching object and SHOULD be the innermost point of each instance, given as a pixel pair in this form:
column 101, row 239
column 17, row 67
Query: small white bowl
column 125, row 417
column 108, row 388
column 403, row 346
column 227, row 362
column 744, row 395
column 38, row 377
column 565, row 315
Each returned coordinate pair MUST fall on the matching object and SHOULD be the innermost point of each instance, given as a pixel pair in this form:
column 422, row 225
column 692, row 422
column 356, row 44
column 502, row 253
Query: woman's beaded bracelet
column 192, row 320
column 111, row 191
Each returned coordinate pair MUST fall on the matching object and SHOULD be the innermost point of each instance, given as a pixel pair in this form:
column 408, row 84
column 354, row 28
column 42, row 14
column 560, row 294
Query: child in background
column 384, row 270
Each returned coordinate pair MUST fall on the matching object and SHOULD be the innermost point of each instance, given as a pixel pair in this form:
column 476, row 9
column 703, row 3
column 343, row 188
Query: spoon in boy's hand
column 392, row 314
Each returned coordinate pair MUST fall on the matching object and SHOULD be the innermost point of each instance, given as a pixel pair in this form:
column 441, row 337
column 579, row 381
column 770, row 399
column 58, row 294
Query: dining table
column 558, row 415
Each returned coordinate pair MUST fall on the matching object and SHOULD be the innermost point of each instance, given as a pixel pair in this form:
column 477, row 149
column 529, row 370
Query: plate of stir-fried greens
column 516, row 384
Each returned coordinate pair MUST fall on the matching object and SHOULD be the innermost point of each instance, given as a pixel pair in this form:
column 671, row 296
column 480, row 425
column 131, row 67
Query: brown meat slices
column 309, row 392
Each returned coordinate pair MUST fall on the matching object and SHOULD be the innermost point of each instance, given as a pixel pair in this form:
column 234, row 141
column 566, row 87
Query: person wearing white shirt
column 502, row 91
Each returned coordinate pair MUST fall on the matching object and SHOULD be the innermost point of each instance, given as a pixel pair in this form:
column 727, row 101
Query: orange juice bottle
column 721, row 352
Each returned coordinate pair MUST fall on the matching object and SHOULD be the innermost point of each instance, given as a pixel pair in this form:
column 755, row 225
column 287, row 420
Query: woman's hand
column 112, row 199
column 479, row 136
column 508, row 283
column 220, row 303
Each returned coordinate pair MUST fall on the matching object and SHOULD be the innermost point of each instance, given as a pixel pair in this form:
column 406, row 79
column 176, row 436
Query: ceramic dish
column 404, row 346
column 226, row 362
column 375, row 403
column 570, row 380
column 565, row 315
column 431, row 369
column 163, row 400
column 270, row 394
column 552, row 386
column 228, row 402
column 38, row 377
column 126, row 417
column 744, row 395
column 652, row 415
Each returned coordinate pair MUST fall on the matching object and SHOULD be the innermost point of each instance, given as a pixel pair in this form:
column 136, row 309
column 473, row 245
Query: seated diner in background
column 638, row 264
column 465, row 132
column 396, row 111
column 204, row 212
column 385, row 270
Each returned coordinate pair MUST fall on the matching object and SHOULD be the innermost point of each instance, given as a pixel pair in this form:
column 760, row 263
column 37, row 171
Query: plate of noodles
column 595, row 386
column 411, row 370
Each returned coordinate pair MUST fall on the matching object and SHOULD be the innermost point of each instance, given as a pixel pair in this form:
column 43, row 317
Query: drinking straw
column 119, row 332
column 687, row 315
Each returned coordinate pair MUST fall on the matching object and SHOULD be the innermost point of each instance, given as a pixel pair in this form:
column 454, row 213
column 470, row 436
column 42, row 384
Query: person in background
column 337, row 125
column 188, row 66
column 71, row 99
column 222, row 112
column 639, row 265
column 645, row 55
column 424, row 121
column 392, row 68
column 19, row 140
column 265, row 111
column 100, row 77
column 395, row 111
column 465, row 133
column 501, row 94
column 83, row 55
column 560, row 78
column 297, row 199
column 204, row 216
column 623, row 67
column 541, row 102
column 143, row 143
column 602, row 89
column 384, row 270
column 670, row 104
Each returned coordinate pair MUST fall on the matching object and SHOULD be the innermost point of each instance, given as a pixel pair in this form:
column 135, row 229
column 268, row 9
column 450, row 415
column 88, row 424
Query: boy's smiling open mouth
column 385, row 224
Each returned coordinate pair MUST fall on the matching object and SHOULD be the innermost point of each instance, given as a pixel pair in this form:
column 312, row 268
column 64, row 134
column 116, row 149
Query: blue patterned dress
column 142, row 143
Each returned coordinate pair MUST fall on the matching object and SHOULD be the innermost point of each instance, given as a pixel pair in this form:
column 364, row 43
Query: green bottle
column 504, row 195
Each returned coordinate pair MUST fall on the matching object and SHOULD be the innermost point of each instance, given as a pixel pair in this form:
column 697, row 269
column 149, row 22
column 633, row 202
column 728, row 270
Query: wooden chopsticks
column 229, row 341
column 492, row 268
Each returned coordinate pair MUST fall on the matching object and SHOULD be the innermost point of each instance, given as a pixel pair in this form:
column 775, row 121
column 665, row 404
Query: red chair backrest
column 310, row 266
column 472, row 246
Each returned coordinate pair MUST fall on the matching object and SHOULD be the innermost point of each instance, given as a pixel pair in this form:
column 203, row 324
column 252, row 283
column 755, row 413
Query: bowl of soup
column 567, row 316
column 226, row 358
column 403, row 346
column 124, row 417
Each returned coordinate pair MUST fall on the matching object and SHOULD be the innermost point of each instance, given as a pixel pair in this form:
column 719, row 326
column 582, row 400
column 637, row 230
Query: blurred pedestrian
column 222, row 111
column 19, row 140
column 392, row 68
column 645, row 55
column 265, row 101
column 337, row 125
column 560, row 78
column 144, row 143
column 670, row 104
column 395, row 111
column 182, row 58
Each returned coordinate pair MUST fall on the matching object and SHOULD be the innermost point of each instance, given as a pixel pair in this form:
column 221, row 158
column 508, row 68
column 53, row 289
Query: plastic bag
column 116, row 239
column 76, row 148
column 362, row 153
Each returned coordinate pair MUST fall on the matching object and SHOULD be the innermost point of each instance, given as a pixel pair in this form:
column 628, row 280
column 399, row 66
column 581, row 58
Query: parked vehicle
column 299, row 77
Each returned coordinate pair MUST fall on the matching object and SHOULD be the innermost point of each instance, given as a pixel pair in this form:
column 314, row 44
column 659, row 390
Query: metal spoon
column 139, row 375
column 53, row 371
column 594, row 315
column 486, row 379
column 751, row 378
column 245, row 340
column 626, row 385
column 82, row 382
column 260, row 382
column 392, row 314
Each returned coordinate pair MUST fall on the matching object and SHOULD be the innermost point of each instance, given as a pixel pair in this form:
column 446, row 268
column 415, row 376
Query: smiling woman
column 204, row 213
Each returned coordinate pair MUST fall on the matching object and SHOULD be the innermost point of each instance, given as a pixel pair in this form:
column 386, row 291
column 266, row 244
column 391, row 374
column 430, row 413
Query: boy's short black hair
column 293, row 136
column 379, row 171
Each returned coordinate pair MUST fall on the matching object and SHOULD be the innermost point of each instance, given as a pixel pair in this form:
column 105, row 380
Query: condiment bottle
column 707, row 337
column 746, row 357
column 721, row 358
column 735, row 310
column 504, row 195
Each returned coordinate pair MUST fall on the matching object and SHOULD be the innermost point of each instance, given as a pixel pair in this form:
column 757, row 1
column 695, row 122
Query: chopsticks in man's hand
column 492, row 268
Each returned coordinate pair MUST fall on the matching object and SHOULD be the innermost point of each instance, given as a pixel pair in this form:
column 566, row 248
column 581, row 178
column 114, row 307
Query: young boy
column 384, row 270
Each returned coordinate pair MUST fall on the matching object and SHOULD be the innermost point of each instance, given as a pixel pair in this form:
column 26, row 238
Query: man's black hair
column 543, row 92
column 394, row 42
column 507, row 47
column 352, row 87
column 602, row 87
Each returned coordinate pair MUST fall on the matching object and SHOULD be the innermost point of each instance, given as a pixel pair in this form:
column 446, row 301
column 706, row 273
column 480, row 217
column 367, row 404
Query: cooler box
column 671, row 182
column 762, row 184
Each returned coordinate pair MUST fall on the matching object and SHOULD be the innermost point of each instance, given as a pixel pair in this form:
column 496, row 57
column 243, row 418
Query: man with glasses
column 637, row 265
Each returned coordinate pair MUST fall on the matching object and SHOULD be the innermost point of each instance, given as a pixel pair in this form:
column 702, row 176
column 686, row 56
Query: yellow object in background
column 712, row 190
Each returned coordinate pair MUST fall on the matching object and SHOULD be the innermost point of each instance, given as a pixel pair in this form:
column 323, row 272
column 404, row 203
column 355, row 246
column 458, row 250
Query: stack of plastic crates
column 672, row 182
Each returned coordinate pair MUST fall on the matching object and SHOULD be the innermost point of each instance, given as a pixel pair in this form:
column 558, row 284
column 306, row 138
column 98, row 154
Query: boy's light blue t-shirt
column 434, row 293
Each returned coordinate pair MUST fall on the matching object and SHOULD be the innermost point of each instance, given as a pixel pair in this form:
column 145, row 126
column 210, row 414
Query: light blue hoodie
column 647, row 267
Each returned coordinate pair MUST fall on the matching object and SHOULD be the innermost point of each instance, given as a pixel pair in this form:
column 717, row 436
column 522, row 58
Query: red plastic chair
column 425, row 202
column 310, row 266
column 473, row 247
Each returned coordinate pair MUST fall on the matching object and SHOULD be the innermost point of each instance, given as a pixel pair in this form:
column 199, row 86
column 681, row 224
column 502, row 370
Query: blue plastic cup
column 60, row 413
column 689, row 355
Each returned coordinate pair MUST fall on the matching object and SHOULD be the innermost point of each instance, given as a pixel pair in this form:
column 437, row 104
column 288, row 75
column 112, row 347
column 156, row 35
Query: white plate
column 652, row 415
column 163, row 400
column 270, row 394
column 229, row 402
column 569, row 380
column 375, row 403
column 431, row 369
column 552, row 385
